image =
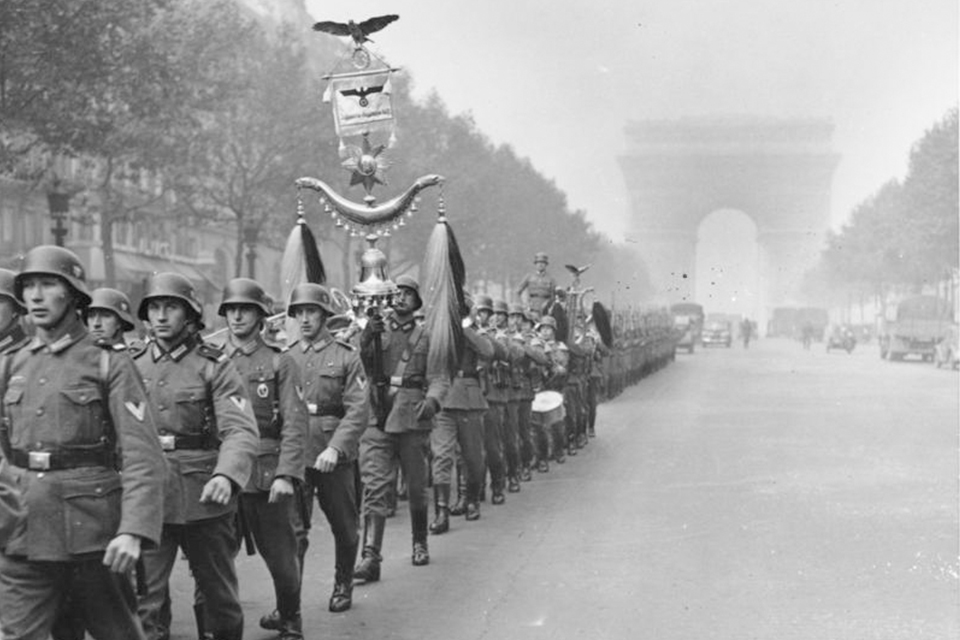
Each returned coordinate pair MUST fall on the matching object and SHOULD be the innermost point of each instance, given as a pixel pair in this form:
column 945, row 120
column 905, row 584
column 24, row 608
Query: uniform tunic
column 461, row 419
column 206, row 424
column 404, row 438
column 335, row 390
column 274, row 386
column 540, row 288
column 86, row 406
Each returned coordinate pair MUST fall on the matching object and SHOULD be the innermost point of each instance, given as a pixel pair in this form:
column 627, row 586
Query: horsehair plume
column 311, row 253
column 444, row 275
column 299, row 263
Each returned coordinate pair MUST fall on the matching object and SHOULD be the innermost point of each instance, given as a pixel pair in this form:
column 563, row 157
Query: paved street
column 770, row 493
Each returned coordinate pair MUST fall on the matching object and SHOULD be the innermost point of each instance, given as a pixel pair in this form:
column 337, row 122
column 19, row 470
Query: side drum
column 548, row 407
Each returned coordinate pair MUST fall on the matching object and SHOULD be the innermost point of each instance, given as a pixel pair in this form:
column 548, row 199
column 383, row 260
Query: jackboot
column 473, row 511
column 460, row 507
column 496, row 487
column 418, row 523
column 291, row 629
column 513, row 484
column 342, row 597
column 369, row 568
column 441, row 501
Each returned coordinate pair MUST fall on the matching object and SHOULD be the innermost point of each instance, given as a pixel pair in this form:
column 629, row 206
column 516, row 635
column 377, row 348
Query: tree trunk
column 238, row 259
column 106, row 246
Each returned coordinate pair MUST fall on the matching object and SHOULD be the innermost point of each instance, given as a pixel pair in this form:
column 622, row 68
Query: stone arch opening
column 727, row 274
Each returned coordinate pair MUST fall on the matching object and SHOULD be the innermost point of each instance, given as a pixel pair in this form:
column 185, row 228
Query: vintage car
column 839, row 336
column 947, row 351
column 717, row 333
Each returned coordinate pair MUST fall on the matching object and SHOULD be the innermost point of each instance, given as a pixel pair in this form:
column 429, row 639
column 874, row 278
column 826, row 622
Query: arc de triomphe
column 777, row 172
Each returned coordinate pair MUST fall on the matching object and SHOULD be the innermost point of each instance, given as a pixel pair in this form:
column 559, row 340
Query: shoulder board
column 211, row 352
column 346, row 345
column 137, row 348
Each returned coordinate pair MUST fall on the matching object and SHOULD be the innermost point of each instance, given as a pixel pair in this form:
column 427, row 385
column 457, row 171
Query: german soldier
column 12, row 335
column 108, row 316
column 74, row 414
column 335, row 390
column 509, row 387
column 540, row 285
column 210, row 437
column 268, row 506
column 400, row 431
column 461, row 422
column 556, row 380
column 526, row 377
column 492, row 386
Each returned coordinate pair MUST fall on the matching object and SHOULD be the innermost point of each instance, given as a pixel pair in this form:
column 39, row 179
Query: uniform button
column 161, row 407
column 40, row 475
column 99, row 490
column 42, row 381
column 40, row 411
column 161, row 383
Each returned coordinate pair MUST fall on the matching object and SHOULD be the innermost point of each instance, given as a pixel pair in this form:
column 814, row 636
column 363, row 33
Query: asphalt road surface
column 769, row 493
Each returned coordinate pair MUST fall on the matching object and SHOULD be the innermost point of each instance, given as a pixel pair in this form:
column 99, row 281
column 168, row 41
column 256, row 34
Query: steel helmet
column 500, row 306
column 8, row 290
column 112, row 300
column 515, row 309
column 245, row 291
column 409, row 282
column 540, row 256
column 171, row 285
column 309, row 293
column 483, row 302
column 54, row 261
column 547, row 321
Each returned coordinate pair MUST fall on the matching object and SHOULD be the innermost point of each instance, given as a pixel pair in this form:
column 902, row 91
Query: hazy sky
column 559, row 80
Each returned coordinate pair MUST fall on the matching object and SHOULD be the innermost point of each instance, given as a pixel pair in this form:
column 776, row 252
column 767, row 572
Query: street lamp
column 250, row 234
column 59, row 203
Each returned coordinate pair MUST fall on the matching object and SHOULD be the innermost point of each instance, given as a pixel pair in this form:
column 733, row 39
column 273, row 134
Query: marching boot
column 496, row 486
column 473, row 511
column 418, row 522
column 513, row 484
column 290, row 629
column 460, row 507
column 342, row 597
column 369, row 568
column 525, row 473
column 441, row 500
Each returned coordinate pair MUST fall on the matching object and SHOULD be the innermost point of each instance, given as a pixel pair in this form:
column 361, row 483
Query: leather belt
column 407, row 383
column 329, row 410
column 60, row 459
column 173, row 442
column 472, row 375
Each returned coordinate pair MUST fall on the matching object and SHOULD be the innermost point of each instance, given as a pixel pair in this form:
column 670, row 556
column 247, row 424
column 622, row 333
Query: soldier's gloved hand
column 122, row 553
column 280, row 489
column 427, row 409
column 375, row 324
column 327, row 460
column 217, row 490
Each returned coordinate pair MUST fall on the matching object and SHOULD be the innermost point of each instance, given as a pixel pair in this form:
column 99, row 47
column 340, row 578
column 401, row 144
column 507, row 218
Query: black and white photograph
column 479, row 321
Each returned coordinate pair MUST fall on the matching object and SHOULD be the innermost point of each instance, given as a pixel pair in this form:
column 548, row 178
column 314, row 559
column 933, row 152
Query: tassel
column 299, row 263
column 444, row 299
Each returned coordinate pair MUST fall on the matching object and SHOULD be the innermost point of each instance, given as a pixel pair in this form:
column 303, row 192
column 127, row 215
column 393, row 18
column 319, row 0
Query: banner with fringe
column 361, row 102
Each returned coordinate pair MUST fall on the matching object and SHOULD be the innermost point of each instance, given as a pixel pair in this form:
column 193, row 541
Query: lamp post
column 59, row 203
column 250, row 234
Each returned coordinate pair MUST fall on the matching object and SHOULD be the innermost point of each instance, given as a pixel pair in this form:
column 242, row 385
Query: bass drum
column 548, row 407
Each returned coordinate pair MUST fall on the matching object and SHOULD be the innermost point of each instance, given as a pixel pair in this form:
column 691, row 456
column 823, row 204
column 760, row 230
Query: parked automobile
column 717, row 333
column 947, row 351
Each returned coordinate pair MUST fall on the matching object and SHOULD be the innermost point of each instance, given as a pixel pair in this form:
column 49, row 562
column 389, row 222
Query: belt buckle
column 168, row 442
column 38, row 460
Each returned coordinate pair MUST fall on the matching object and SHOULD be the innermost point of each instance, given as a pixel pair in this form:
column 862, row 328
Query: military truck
column 914, row 327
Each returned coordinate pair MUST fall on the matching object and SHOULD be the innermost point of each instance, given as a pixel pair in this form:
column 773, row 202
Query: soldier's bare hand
column 280, row 489
column 327, row 460
column 218, row 490
column 122, row 553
